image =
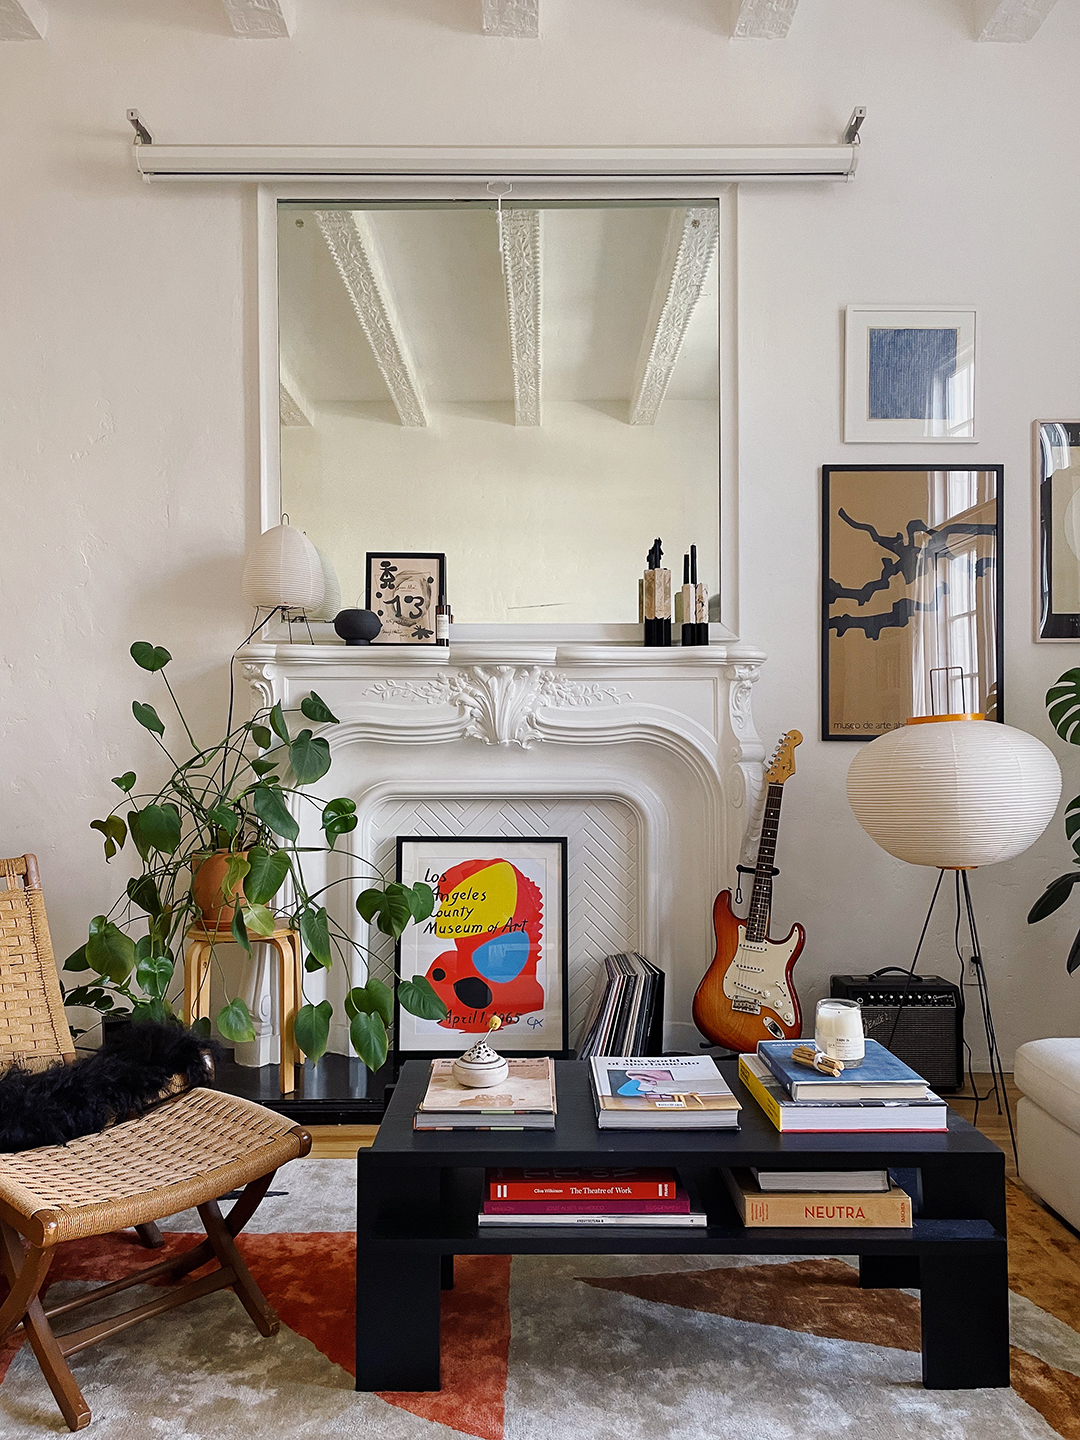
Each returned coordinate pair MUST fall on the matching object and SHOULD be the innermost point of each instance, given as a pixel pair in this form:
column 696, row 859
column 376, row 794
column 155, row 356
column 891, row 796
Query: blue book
column 881, row 1076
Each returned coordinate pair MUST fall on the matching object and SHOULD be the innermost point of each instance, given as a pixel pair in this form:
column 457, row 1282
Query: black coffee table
column 419, row 1195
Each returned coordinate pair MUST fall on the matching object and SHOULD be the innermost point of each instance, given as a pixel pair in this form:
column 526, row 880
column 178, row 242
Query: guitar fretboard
column 757, row 920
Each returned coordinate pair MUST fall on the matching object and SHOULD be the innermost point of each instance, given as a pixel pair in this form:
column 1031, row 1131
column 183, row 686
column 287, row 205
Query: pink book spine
column 680, row 1206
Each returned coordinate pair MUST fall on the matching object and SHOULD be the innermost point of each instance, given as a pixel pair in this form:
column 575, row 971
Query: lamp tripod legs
column 997, row 1072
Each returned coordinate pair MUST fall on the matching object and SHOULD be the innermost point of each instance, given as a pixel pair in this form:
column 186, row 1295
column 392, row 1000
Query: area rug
column 559, row 1347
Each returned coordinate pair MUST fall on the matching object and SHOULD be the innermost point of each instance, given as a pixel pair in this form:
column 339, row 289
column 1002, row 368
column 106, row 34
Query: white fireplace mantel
column 647, row 758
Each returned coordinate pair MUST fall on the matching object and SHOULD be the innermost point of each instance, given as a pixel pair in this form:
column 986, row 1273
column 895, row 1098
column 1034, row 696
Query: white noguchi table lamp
column 283, row 572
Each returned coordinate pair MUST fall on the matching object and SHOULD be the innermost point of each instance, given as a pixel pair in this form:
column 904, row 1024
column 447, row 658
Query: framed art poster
column 909, row 375
column 1057, row 466
column 912, row 595
column 494, row 945
column 403, row 591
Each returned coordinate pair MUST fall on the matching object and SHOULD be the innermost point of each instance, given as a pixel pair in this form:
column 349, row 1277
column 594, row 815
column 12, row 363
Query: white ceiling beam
column 1012, row 20
column 514, row 19
column 353, row 249
column 22, row 20
column 688, row 251
column 260, row 19
column 764, row 19
column 520, row 239
column 294, row 406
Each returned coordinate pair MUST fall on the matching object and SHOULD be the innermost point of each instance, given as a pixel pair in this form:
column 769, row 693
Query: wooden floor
column 341, row 1142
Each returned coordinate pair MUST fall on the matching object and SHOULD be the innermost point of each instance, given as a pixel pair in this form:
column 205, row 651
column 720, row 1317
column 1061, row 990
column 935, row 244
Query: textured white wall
column 128, row 358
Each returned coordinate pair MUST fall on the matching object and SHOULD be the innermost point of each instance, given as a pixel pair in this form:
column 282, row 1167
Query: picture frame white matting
column 909, row 374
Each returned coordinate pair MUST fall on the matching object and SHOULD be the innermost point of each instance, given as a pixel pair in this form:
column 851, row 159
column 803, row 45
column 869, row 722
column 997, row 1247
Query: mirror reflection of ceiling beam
column 514, row 19
column 22, row 20
column 764, row 19
column 352, row 247
column 1011, row 20
column 260, row 19
column 293, row 405
column 520, row 241
column 688, row 251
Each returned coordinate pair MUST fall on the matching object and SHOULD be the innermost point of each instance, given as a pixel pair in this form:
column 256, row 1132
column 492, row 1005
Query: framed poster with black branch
column 495, row 944
column 1057, row 468
column 403, row 590
column 912, row 595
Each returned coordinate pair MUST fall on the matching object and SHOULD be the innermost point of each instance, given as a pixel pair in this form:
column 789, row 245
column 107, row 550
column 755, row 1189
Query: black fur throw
column 122, row 1080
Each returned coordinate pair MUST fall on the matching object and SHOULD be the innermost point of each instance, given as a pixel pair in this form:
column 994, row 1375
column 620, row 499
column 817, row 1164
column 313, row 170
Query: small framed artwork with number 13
column 403, row 591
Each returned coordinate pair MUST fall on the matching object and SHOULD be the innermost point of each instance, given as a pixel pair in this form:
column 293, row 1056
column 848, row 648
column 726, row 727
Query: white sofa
column 1047, row 1074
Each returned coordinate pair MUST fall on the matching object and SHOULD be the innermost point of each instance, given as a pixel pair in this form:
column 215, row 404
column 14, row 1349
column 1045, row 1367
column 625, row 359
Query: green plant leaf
column 258, row 920
column 154, row 975
column 234, row 1022
column 155, row 827
column 315, row 933
column 1063, row 706
column 315, row 708
column 77, row 960
column 147, row 716
column 311, row 964
column 263, row 767
column 266, row 874
column 421, row 900
column 390, row 908
column 312, row 1029
column 239, row 930
column 309, row 756
column 150, row 657
column 201, row 1027
column 125, row 781
column 1053, row 897
column 143, row 891
column 92, row 996
column 277, row 723
column 338, row 818
column 273, row 812
column 368, row 1035
column 225, row 818
column 160, row 1011
column 109, row 951
column 115, row 832
column 262, row 737
column 374, row 998
column 417, row 996
column 235, row 874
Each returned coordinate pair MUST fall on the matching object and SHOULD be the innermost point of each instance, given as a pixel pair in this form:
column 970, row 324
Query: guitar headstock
column 782, row 765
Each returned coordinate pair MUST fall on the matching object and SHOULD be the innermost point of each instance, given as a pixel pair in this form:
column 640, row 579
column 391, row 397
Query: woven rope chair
column 186, row 1152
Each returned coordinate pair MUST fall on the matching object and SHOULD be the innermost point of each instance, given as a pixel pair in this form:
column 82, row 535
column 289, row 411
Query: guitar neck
column 757, row 920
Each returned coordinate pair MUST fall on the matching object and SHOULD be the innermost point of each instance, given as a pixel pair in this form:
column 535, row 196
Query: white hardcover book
column 695, row 1220
column 661, row 1091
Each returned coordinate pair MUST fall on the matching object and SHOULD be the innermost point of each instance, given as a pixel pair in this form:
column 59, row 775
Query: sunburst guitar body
column 747, row 993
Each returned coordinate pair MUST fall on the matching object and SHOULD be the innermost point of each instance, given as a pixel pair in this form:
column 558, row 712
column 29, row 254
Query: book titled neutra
column 814, row 1210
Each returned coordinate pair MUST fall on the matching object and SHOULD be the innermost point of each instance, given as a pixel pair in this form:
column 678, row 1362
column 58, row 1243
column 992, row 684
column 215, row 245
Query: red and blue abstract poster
column 494, row 946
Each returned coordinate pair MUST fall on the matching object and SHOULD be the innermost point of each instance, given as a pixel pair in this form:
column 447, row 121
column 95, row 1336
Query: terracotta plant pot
column 207, row 879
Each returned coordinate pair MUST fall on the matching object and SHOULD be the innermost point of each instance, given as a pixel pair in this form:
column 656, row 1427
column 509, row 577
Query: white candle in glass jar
column 838, row 1031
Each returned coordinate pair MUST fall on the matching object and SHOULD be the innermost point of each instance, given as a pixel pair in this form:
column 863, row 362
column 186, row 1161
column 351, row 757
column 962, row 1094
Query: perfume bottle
column 442, row 620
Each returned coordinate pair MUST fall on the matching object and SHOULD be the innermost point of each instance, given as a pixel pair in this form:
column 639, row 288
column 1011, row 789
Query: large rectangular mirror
column 531, row 388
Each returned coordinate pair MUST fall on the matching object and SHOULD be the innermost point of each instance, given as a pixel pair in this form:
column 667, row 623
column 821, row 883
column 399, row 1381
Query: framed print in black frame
column 1057, row 468
column 403, row 589
column 911, row 595
column 495, row 944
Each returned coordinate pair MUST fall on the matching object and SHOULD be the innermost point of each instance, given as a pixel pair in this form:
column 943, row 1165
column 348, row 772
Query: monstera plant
column 217, row 843
column 1063, row 707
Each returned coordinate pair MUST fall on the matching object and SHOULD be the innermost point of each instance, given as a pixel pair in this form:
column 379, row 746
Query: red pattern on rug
column 310, row 1281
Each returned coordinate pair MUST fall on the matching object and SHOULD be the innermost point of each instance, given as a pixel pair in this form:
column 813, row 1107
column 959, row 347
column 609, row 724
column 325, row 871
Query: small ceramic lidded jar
column 480, row 1067
column 838, row 1031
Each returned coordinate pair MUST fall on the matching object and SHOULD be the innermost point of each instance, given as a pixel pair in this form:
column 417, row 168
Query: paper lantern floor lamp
column 955, row 792
column 283, row 572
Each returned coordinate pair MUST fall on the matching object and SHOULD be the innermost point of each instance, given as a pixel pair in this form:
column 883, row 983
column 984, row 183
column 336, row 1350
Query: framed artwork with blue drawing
column 495, row 944
column 909, row 375
column 912, row 595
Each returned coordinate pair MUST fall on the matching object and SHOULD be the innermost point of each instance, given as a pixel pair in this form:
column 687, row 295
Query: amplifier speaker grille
column 929, row 1022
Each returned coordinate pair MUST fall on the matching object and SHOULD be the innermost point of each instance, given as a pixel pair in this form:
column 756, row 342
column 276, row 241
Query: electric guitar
column 747, row 995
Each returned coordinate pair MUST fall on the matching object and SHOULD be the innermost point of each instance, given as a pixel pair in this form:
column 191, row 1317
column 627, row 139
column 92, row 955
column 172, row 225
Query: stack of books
column 882, row 1094
column 628, row 1013
column 819, row 1200
column 525, row 1100
column 671, row 1093
column 604, row 1197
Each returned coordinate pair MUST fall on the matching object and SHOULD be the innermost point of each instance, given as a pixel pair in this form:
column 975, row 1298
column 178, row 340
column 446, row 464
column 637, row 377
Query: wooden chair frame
column 29, row 1242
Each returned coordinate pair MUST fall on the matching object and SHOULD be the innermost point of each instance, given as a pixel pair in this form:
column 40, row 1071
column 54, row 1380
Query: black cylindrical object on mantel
column 357, row 627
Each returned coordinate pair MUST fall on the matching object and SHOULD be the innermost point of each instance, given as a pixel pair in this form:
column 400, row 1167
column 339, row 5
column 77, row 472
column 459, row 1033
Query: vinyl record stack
column 627, row 1017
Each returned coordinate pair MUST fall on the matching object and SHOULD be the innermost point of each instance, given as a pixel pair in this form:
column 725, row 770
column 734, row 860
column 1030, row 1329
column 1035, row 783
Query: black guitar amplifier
column 920, row 1020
